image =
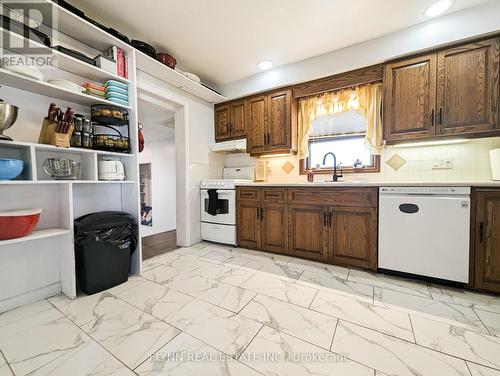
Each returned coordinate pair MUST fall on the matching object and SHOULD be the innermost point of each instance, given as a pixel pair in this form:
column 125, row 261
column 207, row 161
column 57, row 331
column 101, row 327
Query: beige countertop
column 359, row 183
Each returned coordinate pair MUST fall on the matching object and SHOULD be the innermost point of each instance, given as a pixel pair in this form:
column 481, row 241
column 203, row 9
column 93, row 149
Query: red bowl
column 166, row 59
column 17, row 224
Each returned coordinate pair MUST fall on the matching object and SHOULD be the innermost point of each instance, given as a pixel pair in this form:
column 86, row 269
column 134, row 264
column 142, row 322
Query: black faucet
column 335, row 175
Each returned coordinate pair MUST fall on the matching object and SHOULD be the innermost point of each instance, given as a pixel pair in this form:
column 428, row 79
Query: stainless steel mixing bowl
column 8, row 116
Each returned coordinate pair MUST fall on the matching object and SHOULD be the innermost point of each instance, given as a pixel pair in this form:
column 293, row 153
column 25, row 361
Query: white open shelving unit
column 43, row 263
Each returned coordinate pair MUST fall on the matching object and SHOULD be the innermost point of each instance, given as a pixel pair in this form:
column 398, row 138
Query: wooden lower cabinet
column 339, row 227
column 353, row 237
column 274, row 227
column 308, row 231
column 486, row 240
column 248, row 224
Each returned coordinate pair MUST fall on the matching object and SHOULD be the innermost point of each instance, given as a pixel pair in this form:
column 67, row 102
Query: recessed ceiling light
column 437, row 8
column 265, row 64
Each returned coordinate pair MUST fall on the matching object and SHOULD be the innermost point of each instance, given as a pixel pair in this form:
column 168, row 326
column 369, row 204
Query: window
column 344, row 135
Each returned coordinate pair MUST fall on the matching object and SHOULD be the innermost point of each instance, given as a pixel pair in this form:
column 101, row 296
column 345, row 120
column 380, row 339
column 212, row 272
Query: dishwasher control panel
column 426, row 190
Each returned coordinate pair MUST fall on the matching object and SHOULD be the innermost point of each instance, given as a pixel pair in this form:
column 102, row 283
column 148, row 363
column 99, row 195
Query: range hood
column 234, row 146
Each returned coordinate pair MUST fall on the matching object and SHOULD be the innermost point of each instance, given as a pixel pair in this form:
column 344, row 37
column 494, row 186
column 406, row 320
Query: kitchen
column 336, row 208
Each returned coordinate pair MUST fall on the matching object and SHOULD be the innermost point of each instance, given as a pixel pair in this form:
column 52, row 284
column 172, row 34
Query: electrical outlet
column 442, row 164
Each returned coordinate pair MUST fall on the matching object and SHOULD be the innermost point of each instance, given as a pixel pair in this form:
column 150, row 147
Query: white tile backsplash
column 470, row 160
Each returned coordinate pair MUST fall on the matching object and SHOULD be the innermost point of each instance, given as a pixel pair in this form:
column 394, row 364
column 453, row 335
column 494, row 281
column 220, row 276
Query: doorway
column 157, row 175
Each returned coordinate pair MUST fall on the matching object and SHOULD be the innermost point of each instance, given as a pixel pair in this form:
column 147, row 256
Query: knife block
column 49, row 136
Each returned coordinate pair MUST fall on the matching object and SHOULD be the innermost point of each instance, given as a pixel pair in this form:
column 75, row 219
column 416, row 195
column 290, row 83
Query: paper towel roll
column 495, row 163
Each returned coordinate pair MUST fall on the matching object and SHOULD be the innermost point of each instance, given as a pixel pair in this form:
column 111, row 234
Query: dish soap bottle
column 310, row 176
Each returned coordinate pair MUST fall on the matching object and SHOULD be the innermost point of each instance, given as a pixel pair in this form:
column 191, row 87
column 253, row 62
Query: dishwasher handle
column 409, row 208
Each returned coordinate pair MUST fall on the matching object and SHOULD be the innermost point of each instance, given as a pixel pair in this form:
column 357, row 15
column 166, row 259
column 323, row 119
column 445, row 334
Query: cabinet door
column 410, row 98
column 248, row 224
column 274, row 220
column 222, row 120
column 279, row 121
column 353, row 237
column 467, row 88
column 238, row 119
column 487, row 241
column 256, row 124
column 308, row 231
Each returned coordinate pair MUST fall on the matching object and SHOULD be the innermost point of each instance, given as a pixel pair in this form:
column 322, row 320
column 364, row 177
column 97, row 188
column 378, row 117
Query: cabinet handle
column 440, row 115
column 261, row 214
column 481, row 232
column 258, row 212
column 265, row 138
column 433, row 118
column 268, row 138
column 330, row 216
column 324, row 219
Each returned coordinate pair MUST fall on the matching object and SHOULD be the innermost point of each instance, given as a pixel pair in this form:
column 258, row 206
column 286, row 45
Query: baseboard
column 30, row 297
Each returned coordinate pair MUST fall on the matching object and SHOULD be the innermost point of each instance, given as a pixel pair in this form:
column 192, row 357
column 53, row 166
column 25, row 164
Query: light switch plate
column 442, row 164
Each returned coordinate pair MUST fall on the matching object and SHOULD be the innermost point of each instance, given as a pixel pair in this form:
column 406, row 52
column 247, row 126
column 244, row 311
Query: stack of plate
column 28, row 71
column 117, row 92
column 66, row 84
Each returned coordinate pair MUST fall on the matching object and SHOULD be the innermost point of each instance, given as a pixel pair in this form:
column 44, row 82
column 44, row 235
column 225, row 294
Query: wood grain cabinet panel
column 309, row 231
column 274, row 218
column 353, row 237
column 410, row 94
column 278, row 121
column 256, row 120
column 487, row 240
column 238, row 120
column 222, row 119
column 467, row 88
column 248, row 226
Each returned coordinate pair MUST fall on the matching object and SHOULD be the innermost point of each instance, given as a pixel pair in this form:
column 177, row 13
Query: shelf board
column 56, row 149
column 82, row 30
column 41, row 182
column 71, row 64
column 19, row 81
column 35, row 235
column 159, row 70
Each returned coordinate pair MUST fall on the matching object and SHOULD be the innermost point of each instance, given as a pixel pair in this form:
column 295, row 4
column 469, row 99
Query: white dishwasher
column 425, row 231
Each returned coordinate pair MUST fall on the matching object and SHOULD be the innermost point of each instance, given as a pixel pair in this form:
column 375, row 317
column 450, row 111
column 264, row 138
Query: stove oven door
column 226, row 207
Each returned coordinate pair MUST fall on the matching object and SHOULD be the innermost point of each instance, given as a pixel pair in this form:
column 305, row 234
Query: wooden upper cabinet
column 353, row 237
column 451, row 92
column 467, row 88
column 309, row 231
column 230, row 121
column 279, row 121
column 238, row 119
column 222, row 119
column 487, row 240
column 410, row 94
column 274, row 218
column 256, row 120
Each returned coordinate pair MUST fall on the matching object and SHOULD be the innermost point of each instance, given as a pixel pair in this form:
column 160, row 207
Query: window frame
column 304, row 168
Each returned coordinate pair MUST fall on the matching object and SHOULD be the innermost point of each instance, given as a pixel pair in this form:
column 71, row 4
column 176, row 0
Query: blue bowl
column 10, row 168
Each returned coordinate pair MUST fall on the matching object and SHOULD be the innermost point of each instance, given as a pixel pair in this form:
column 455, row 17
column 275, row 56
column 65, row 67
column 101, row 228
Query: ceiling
column 223, row 40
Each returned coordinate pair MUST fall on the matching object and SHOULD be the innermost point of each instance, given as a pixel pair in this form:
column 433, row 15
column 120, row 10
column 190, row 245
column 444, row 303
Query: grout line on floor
column 7, row 363
column 412, row 330
column 481, row 321
column 333, row 336
column 161, row 347
column 248, row 344
column 312, row 300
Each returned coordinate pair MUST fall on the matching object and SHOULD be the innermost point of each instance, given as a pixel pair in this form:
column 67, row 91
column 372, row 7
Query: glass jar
column 76, row 140
column 87, row 140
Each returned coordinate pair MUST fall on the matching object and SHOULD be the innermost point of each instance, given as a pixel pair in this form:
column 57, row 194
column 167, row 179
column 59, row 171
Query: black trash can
column 104, row 244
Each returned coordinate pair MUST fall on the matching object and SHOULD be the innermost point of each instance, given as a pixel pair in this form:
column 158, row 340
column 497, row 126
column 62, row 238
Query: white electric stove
column 221, row 226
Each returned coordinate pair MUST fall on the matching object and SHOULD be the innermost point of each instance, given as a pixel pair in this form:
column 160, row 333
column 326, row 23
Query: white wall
column 161, row 155
column 194, row 160
column 460, row 25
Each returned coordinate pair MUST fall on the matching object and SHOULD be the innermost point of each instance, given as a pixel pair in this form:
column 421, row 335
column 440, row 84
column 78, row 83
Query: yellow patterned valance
column 365, row 99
